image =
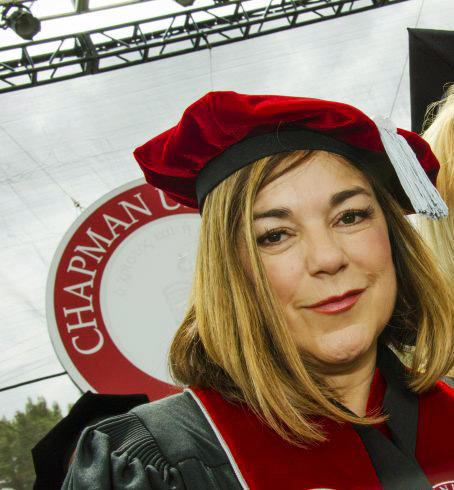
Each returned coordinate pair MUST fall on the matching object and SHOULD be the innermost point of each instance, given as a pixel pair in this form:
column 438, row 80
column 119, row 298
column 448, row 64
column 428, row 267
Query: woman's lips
column 337, row 304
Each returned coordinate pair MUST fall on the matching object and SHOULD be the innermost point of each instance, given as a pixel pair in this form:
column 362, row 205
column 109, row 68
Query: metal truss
column 61, row 58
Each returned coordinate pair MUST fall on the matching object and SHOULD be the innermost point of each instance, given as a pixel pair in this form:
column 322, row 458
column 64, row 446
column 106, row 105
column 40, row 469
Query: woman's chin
column 340, row 356
column 344, row 352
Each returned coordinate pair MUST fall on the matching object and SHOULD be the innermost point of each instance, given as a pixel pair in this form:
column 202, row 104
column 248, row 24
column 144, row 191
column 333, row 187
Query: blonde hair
column 439, row 235
column 234, row 338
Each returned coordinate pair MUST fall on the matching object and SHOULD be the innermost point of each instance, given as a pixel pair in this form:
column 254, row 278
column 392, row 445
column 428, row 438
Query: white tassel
column 423, row 196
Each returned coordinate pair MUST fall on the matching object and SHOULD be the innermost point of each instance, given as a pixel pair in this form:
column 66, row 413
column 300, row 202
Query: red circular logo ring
column 108, row 309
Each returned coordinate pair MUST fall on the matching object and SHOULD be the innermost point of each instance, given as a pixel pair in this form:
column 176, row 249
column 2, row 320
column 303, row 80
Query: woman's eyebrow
column 335, row 200
column 273, row 213
column 342, row 196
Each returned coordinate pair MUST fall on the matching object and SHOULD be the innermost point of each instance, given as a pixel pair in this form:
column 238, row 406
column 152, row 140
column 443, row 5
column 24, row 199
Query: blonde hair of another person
column 439, row 235
column 234, row 337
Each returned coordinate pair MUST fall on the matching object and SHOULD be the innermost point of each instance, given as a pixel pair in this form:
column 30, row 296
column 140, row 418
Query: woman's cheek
column 285, row 275
column 372, row 249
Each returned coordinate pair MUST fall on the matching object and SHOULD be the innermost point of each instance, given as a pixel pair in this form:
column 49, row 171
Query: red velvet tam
column 225, row 131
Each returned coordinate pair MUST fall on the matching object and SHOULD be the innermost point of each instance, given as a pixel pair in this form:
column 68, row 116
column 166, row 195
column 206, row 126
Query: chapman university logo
column 118, row 287
column 447, row 485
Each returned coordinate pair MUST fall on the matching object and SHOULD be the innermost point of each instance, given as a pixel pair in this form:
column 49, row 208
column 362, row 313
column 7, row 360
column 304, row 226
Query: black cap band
column 256, row 147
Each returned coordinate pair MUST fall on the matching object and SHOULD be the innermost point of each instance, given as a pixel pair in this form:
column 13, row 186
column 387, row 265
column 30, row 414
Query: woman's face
column 323, row 240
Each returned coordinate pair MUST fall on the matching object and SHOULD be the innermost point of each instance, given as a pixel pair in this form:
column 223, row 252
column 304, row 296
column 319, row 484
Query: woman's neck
column 353, row 382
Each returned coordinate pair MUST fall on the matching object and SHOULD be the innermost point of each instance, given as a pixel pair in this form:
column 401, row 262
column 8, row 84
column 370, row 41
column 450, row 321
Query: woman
column 439, row 134
column 307, row 272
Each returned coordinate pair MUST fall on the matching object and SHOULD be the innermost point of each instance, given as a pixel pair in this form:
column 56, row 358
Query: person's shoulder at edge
column 166, row 444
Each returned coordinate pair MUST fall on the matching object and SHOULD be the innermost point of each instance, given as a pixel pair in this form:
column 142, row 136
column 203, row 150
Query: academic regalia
column 198, row 440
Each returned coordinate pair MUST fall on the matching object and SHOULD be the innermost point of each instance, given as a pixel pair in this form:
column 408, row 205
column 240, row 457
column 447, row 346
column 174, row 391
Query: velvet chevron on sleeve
column 166, row 445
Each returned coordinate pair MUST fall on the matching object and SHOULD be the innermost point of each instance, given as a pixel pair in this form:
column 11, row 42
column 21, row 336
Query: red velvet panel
column 267, row 462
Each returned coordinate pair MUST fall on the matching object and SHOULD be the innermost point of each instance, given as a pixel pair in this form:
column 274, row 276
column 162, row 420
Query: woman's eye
column 355, row 216
column 349, row 218
column 271, row 237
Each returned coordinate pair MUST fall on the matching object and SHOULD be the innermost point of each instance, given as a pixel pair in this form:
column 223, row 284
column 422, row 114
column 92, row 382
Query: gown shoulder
column 164, row 445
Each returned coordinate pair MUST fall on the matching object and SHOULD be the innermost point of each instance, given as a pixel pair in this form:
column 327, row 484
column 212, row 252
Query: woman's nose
column 325, row 253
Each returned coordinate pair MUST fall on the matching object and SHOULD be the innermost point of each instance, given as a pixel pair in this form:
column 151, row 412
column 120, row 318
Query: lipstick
column 337, row 304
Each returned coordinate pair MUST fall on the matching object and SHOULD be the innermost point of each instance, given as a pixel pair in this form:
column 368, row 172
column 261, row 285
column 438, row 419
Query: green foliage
column 18, row 436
